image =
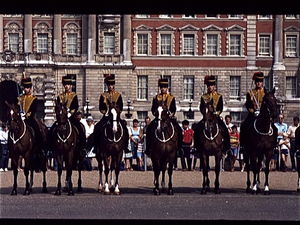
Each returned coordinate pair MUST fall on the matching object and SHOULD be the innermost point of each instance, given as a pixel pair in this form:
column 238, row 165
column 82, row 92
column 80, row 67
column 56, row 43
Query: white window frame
column 192, row 48
column 142, row 16
column 212, row 30
column 189, row 30
column 236, row 16
column 212, row 17
column 207, row 44
column 259, row 45
column 190, row 16
column 107, row 48
column 265, row 17
column 290, row 16
column 292, row 89
column 142, row 86
column 142, row 29
column 296, row 35
column 237, row 88
column 166, row 30
column 71, row 28
column 138, row 45
column 72, row 47
column 44, row 43
column 168, row 16
column 189, row 94
column 17, row 44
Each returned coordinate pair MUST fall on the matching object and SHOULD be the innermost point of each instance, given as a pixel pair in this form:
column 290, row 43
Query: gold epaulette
column 26, row 101
column 215, row 96
column 68, row 97
column 164, row 97
column 113, row 97
column 259, row 95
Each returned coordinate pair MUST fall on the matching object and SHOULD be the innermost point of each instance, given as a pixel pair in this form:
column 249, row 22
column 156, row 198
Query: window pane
column 109, row 43
column 235, row 88
column 212, row 44
column 264, row 45
column 143, row 44
column 71, row 43
column 235, row 44
column 142, row 87
column 189, row 88
column 42, row 43
column 14, row 42
column 165, row 44
column 291, row 45
column 291, row 87
column 188, row 47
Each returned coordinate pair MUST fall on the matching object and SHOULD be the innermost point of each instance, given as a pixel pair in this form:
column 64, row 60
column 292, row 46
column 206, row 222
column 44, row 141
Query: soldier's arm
column 32, row 109
column 173, row 107
column 120, row 102
column 154, row 106
column 102, row 105
column 202, row 105
column 219, row 107
column 74, row 105
column 249, row 103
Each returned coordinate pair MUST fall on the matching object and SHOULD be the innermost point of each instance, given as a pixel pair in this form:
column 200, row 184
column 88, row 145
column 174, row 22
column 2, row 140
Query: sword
column 150, row 89
column 19, row 100
column 253, row 94
column 59, row 92
column 203, row 93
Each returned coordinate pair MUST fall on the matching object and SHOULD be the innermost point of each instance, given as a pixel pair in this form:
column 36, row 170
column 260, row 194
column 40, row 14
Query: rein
column 13, row 138
column 163, row 134
column 270, row 133
column 212, row 137
column 114, row 140
column 64, row 140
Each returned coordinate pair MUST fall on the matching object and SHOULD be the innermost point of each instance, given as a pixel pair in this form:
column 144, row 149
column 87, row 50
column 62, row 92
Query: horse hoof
column 217, row 191
column 156, row 191
column 26, row 192
column 57, row 192
column 170, row 192
column 106, row 192
column 254, row 192
column 248, row 190
column 203, row 192
column 14, row 192
column 71, row 192
column 117, row 193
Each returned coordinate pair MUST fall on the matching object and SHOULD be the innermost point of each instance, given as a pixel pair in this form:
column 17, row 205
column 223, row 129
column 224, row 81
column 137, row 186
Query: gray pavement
column 138, row 202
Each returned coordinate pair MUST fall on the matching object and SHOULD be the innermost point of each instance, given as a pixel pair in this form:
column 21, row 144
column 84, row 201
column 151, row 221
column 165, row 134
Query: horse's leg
column 26, row 173
column 80, row 168
column 106, row 171
column 59, row 172
column 69, row 164
column 100, row 167
column 170, row 172
column 163, row 175
column 217, row 172
column 246, row 158
column 207, row 178
column 156, row 169
column 267, row 170
column 31, row 180
column 204, row 172
column 117, row 172
column 14, row 164
column 256, row 167
column 44, row 168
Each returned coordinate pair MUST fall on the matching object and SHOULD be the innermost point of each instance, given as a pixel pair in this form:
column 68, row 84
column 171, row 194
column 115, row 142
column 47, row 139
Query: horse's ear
column 265, row 90
column 273, row 90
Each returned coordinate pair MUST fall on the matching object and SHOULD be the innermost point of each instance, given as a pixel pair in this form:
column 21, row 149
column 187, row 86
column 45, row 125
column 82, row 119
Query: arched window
column 42, row 38
column 71, row 39
column 13, row 37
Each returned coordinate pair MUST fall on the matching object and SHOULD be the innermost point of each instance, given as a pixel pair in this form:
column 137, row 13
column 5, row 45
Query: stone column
column 1, row 33
column 251, row 42
column 91, row 37
column 127, row 39
column 84, row 34
column 28, row 33
column 278, row 55
column 57, row 34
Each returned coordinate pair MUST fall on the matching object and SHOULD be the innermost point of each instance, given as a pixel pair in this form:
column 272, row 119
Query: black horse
column 261, row 141
column 211, row 144
column 65, row 143
column 111, row 146
column 22, row 142
column 164, row 142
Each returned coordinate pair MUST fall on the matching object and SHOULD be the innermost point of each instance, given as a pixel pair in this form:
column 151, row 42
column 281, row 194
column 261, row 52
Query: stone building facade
column 140, row 48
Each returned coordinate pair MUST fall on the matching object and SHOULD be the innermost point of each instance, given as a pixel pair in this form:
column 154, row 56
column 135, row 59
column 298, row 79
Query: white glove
column 256, row 113
column 69, row 115
column 23, row 115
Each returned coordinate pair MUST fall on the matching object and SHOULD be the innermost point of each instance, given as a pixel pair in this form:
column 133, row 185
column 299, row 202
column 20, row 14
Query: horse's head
column 162, row 115
column 269, row 105
column 14, row 116
column 114, row 115
column 61, row 112
column 209, row 115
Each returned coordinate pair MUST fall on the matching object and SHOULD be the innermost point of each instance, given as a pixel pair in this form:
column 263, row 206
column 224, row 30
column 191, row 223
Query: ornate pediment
column 72, row 27
column 189, row 27
column 291, row 29
column 143, row 28
column 13, row 27
column 212, row 27
column 235, row 27
column 42, row 27
column 166, row 27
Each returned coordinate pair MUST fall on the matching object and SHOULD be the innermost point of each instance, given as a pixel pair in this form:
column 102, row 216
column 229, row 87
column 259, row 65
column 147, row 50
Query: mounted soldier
column 28, row 104
column 72, row 105
column 110, row 96
column 171, row 104
column 217, row 99
column 254, row 100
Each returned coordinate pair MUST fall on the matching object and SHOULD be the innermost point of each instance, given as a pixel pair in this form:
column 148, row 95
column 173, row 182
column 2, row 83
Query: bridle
column 164, row 140
column 115, row 122
column 210, row 127
column 12, row 134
